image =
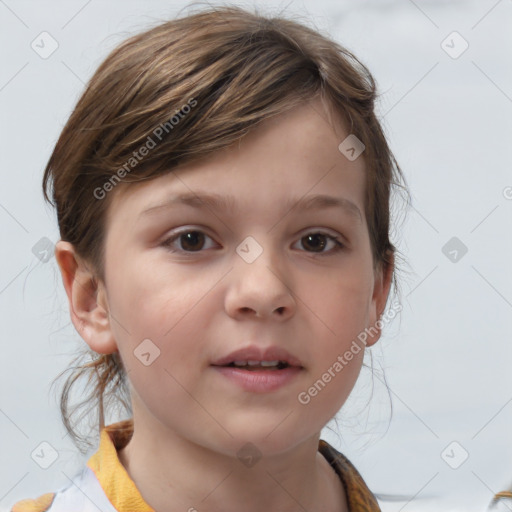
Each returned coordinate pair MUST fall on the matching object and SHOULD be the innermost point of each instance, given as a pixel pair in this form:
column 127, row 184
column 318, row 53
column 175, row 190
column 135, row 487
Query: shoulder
column 83, row 493
column 359, row 497
column 41, row 504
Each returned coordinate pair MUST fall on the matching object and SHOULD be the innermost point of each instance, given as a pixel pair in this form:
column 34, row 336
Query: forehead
column 282, row 158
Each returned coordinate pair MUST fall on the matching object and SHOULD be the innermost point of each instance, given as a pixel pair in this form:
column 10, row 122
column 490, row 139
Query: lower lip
column 259, row 381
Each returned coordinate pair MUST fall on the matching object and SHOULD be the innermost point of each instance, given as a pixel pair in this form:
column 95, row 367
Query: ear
column 381, row 287
column 88, row 302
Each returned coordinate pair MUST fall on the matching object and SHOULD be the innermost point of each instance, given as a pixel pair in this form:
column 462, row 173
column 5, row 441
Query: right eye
column 190, row 240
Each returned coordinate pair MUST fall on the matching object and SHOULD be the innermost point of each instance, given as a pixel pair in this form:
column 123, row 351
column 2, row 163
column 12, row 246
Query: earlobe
column 88, row 304
column 379, row 298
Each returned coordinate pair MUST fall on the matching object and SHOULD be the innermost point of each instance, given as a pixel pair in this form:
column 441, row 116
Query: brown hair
column 194, row 85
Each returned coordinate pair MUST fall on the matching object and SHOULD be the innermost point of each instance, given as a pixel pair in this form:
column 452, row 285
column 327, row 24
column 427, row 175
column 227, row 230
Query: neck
column 167, row 468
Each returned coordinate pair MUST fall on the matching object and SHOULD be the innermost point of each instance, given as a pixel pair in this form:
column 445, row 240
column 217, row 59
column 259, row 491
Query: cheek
column 341, row 302
column 167, row 319
column 343, row 308
column 148, row 300
column 329, row 387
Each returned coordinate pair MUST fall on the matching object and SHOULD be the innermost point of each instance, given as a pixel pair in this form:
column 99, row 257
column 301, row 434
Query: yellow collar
column 124, row 495
column 111, row 474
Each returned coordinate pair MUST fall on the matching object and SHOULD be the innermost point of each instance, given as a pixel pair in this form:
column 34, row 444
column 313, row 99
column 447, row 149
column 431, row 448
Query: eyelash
column 339, row 246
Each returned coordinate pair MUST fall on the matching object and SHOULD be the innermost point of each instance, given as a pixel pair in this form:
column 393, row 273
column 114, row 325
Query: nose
column 258, row 289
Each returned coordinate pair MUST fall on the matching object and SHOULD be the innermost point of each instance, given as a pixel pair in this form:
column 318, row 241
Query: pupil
column 309, row 237
column 190, row 239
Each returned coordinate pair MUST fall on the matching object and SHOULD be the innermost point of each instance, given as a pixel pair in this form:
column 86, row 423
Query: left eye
column 320, row 240
column 194, row 240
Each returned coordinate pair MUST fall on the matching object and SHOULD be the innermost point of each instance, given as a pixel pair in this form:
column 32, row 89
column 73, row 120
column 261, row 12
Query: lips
column 255, row 353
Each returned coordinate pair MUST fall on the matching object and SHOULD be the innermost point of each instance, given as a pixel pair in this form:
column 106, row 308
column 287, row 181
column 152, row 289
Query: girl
column 255, row 138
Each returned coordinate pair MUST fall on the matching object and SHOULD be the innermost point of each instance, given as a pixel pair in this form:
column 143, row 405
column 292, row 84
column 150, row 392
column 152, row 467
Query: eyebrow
column 228, row 203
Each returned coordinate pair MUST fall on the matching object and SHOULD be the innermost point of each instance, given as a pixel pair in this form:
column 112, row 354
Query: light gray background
column 447, row 358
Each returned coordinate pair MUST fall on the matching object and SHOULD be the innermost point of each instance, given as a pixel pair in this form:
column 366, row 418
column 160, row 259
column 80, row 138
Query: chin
column 270, row 438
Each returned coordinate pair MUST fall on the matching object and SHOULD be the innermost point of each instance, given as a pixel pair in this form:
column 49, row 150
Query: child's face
column 202, row 297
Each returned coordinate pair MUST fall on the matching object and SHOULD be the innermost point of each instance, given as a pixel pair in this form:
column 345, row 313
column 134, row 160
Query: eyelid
column 329, row 232
column 175, row 234
column 338, row 239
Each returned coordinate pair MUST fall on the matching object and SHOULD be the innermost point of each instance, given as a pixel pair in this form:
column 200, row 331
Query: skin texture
column 200, row 305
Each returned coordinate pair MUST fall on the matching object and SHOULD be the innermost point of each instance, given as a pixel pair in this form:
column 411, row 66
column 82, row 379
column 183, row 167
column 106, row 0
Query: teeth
column 256, row 363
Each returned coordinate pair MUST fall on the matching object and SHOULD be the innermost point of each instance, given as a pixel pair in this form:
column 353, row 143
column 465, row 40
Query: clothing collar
column 359, row 497
column 111, row 474
column 124, row 495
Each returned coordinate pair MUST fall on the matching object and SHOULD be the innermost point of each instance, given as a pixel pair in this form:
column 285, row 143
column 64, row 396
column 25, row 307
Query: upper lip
column 256, row 353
